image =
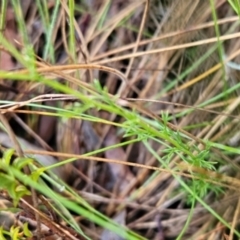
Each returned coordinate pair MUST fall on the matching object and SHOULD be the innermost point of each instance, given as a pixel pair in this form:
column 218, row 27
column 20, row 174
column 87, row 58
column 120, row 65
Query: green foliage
column 16, row 233
column 2, row 234
column 26, row 230
column 7, row 180
column 139, row 128
column 235, row 5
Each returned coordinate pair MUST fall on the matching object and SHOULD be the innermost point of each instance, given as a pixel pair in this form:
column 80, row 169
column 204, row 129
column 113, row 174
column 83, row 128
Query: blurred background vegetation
column 119, row 119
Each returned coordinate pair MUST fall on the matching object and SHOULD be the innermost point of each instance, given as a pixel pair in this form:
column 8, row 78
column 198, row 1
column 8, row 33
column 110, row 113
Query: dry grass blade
column 213, row 176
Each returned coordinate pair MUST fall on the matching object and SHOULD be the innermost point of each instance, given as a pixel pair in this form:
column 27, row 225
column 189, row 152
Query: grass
column 175, row 147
